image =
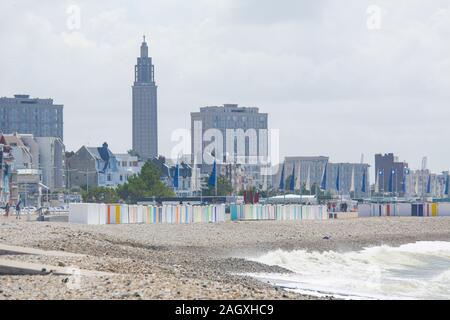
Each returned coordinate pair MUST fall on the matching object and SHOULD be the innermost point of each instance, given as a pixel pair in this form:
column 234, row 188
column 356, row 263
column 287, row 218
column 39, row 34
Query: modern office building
column 390, row 174
column 230, row 117
column 39, row 117
column 145, row 116
column 310, row 171
column 352, row 176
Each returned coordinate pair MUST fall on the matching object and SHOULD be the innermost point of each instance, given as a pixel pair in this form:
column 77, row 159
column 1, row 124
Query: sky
column 339, row 79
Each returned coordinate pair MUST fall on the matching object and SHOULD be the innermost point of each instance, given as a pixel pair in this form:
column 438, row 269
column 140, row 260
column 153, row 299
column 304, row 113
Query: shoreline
column 199, row 261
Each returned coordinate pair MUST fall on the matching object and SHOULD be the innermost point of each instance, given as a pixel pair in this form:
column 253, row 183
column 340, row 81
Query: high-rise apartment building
column 39, row 117
column 240, row 136
column 227, row 120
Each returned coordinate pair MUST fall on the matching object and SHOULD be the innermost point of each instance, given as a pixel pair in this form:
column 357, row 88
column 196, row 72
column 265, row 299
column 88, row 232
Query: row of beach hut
column 252, row 212
column 419, row 209
column 98, row 214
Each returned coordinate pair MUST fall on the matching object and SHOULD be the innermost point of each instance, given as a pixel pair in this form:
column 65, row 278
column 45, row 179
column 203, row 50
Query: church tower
column 145, row 115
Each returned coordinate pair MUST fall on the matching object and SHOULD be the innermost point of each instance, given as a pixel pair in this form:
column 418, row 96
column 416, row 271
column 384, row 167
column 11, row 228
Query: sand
column 202, row 261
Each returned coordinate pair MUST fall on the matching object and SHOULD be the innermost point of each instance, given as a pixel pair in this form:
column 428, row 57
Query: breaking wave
column 418, row 270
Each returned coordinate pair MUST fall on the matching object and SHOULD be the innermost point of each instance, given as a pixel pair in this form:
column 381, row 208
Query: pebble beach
column 199, row 261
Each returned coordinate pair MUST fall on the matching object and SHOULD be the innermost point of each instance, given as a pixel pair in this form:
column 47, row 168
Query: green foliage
column 100, row 195
column 133, row 153
column 250, row 189
column 315, row 189
column 224, row 187
column 147, row 184
column 269, row 193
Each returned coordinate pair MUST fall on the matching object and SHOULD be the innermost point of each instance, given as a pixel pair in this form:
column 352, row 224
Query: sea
column 415, row 271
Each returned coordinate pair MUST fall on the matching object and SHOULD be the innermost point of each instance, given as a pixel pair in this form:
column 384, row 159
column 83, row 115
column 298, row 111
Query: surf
column 418, row 270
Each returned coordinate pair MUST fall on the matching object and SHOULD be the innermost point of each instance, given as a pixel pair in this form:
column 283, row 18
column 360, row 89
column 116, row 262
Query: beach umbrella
column 194, row 177
column 323, row 184
column 282, row 179
column 377, row 182
column 364, row 178
column 212, row 181
column 447, row 185
column 176, row 176
column 338, row 180
column 352, row 182
column 391, row 181
column 298, row 184
column 406, row 172
column 264, row 186
column 292, row 180
column 308, row 180
column 429, row 185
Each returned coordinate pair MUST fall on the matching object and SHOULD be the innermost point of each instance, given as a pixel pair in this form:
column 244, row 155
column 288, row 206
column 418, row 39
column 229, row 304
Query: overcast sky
column 332, row 85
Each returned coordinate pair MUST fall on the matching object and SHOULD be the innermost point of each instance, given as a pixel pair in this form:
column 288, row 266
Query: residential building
column 145, row 117
column 42, row 154
column 51, row 162
column 127, row 166
column 168, row 169
column 39, row 117
column 93, row 167
column 23, row 157
column 6, row 165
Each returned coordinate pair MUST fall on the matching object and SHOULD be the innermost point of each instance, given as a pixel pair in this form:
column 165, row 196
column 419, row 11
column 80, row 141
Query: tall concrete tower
column 145, row 117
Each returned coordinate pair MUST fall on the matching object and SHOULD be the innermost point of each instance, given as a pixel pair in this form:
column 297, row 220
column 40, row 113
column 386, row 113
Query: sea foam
column 418, row 270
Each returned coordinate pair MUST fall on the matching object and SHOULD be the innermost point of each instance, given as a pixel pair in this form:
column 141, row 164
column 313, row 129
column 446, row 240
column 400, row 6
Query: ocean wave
column 418, row 270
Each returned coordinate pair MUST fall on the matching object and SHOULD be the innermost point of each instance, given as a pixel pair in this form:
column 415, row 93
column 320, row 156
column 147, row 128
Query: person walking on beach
column 7, row 209
column 18, row 209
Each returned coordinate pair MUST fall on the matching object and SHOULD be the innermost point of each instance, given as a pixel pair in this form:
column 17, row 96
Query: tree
column 224, row 187
column 271, row 192
column 100, row 195
column 133, row 154
column 69, row 154
column 147, row 184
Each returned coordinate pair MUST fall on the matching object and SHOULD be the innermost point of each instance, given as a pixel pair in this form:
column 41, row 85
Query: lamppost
column 68, row 176
column 87, row 172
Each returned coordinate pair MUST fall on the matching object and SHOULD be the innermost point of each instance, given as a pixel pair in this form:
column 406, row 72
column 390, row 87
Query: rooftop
column 25, row 99
column 231, row 108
